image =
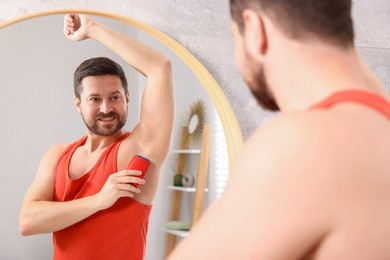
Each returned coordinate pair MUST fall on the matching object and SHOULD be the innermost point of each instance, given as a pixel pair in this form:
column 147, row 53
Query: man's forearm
column 144, row 59
column 39, row 217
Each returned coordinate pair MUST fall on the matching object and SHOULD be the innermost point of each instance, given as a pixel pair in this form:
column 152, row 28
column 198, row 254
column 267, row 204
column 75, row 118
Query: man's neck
column 305, row 74
column 97, row 142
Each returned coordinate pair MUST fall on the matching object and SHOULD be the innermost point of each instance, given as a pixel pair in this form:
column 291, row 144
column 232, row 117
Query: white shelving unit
column 178, row 233
column 184, row 189
column 199, row 189
column 186, row 151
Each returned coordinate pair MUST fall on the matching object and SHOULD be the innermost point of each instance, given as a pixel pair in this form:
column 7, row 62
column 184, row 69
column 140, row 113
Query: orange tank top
column 118, row 232
column 359, row 96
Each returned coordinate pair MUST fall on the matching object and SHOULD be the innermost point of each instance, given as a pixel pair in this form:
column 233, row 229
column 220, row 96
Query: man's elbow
column 160, row 69
column 163, row 65
column 166, row 64
column 23, row 229
column 25, row 226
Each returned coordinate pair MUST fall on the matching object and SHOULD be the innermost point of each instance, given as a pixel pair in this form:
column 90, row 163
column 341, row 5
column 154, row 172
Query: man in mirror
column 83, row 192
column 314, row 182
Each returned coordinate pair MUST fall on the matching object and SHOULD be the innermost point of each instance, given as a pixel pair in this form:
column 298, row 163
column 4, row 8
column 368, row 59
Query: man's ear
column 127, row 97
column 255, row 34
column 77, row 102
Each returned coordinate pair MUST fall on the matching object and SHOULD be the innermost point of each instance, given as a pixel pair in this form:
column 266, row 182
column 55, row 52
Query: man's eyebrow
column 98, row 95
column 93, row 95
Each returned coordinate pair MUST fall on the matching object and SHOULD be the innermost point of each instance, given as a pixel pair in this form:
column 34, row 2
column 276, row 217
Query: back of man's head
column 327, row 20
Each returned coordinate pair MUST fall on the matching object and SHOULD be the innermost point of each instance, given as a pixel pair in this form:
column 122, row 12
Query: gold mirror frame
column 230, row 125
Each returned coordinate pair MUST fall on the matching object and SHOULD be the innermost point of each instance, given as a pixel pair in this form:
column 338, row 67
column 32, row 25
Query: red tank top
column 363, row 97
column 118, row 232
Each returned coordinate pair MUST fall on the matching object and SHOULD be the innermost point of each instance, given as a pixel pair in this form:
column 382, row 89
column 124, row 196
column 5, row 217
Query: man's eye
column 94, row 100
column 115, row 98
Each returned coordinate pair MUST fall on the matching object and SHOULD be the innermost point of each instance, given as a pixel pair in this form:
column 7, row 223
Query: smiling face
column 103, row 104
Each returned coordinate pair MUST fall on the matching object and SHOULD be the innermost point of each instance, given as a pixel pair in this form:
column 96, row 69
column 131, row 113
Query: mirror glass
column 37, row 111
column 193, row 124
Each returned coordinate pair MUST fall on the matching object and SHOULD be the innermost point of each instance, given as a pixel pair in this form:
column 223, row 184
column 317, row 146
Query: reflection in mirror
column 37, row 111
column 194, row 122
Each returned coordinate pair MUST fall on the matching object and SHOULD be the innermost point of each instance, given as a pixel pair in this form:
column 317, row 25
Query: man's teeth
column 107, row 119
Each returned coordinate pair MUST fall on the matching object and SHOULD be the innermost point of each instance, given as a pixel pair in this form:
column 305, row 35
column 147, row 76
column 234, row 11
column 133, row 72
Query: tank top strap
column 109, row 156
column 367, row 98
column 115, row 145
column 122, row 137
column 72, row 147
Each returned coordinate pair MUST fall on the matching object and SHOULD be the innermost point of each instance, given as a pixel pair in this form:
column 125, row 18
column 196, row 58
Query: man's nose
column 105, row 107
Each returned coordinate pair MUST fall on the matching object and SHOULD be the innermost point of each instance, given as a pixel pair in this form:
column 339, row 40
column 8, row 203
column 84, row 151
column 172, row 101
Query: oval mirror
column 195, row 121
column 37, row 111
column 193, row 125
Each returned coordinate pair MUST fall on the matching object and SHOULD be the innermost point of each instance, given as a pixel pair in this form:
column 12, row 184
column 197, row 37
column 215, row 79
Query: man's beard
column 260, row 89
column 105, row 130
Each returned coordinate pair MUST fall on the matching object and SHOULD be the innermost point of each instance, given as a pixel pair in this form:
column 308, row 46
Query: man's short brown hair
column 327, row 20
column 98, row 66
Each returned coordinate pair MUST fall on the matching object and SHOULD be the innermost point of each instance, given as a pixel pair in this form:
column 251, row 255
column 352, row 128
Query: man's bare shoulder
column 294, row 130
column 328, row 133
column 296, row 152
column 46, row 171
column 55, row 151
column 294, row 186
column 59, row 148
column 274, row 184
column 323, row 153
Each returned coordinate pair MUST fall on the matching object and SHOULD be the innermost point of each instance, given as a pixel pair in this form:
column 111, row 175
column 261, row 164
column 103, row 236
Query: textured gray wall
column 203, row 27
column 373, row 36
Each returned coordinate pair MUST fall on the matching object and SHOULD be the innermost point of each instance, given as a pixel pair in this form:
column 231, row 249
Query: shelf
column 186, row 151
column 176, row 228
column 185, row 189
column 179, row 233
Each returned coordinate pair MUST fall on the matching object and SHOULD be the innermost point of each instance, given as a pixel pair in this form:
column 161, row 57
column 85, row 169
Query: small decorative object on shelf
column 191, row 131
column 188, row 180
column 178, row 180
column 177, row 228
column 193, row 128
column 195, row 121
column 178, row 225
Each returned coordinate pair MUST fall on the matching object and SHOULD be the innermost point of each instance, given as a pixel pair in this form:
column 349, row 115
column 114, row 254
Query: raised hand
column 77, row 26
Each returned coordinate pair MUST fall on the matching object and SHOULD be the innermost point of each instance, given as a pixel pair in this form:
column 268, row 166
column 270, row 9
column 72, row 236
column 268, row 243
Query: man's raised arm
column 157, row 109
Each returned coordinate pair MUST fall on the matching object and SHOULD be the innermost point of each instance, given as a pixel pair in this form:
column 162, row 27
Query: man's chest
column 81, row 163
